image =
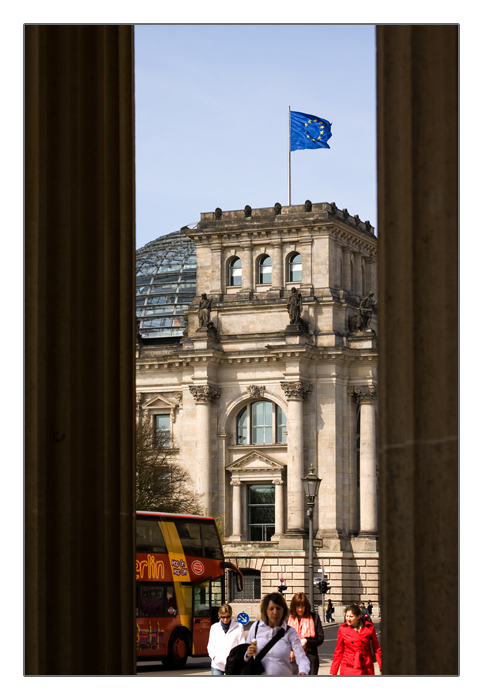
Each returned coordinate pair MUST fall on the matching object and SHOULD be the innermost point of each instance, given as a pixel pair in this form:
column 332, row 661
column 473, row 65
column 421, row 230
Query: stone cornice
column 279, row 217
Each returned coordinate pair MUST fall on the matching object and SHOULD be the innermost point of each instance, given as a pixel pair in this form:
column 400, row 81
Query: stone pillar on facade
column 216, row 270
column 236, row 510
column 346, row 270
column 278, row 483
column 367, row 397
column 295, row 393
column 277, row 267
column 247, row 269
column 358, row 274
column 204, row 395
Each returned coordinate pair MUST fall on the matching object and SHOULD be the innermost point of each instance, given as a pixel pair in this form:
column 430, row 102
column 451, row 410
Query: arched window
column 295, row 268
column 265, row 270
column 261, row 423
column 235, row 272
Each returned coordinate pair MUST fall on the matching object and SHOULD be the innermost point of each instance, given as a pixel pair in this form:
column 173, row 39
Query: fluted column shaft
column 79, row 360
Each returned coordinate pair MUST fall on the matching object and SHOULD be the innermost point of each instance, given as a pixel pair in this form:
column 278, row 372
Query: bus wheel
column 177, row 650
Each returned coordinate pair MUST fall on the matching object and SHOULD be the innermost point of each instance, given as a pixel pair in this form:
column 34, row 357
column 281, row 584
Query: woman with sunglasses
column 224, row 635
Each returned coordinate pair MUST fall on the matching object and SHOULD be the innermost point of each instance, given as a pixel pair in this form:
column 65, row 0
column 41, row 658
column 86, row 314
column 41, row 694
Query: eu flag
column 307, row 131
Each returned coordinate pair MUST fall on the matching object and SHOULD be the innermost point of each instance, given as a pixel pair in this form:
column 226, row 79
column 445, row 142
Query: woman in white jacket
column 224, row 635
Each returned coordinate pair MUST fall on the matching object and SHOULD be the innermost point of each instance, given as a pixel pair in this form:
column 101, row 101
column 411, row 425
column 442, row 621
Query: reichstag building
column 257, row 355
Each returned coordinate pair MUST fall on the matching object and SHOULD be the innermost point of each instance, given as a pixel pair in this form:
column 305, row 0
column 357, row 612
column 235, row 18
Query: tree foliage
column 161, row 483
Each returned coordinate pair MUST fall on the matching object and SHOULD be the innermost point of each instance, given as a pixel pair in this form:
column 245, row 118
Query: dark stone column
column 417, row 92
column 79, row 350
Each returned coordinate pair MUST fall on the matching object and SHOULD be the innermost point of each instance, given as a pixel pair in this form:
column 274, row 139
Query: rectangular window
column 162, row 427
column 261, row 512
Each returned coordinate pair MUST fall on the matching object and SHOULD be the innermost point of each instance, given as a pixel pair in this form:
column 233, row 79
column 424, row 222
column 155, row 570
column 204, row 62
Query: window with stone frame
column 162, row 427
column 260, row 512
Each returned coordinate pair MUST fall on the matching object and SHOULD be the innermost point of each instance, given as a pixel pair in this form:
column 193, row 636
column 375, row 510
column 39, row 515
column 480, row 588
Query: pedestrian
column 329, row 611
column 224, row 635
column 309, row 629
column 274, row 615
column 368, row 608
column 357, row 646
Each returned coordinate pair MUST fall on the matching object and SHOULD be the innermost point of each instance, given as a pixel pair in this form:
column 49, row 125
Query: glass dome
column 165, row 284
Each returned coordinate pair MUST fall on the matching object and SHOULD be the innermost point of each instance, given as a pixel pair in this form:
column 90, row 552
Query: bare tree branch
column 161, row 483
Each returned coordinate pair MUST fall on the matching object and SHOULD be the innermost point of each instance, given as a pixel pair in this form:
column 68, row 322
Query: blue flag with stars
column 308, row 131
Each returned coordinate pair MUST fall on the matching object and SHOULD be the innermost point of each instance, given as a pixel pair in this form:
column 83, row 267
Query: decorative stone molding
column 178, row 395
column 296, row 391
column 363, row 393
column 256, row 391
column 205, row 394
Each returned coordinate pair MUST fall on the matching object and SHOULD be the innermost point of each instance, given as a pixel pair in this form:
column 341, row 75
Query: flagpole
column 289, row 174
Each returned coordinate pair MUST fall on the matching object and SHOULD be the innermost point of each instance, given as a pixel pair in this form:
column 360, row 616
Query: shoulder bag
column 236, row 664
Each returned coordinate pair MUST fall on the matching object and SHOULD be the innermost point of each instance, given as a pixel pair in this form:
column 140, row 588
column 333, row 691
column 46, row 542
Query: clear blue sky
column 212, row 119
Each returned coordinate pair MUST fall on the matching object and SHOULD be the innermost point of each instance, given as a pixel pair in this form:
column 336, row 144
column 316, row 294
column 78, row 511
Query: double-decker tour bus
column 180, row 572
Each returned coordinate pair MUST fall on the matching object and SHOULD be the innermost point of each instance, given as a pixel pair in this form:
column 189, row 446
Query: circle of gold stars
column 321, row 124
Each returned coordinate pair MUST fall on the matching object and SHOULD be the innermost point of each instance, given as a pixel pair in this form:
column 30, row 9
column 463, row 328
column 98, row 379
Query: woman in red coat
column 353, row 649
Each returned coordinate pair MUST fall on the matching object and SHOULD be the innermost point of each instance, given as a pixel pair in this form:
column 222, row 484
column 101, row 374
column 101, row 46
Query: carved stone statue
column 366, row 309
column 361, row 321
column 294, row 306
column 204, row 311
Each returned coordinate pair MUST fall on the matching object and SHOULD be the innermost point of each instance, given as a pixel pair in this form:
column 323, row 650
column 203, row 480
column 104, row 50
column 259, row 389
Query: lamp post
column 311, row 487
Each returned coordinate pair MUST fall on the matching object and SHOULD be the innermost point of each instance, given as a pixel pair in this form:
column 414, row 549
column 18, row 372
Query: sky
column 211, row 111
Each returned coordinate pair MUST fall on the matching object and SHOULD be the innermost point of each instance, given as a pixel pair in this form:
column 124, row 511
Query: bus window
column 155, row 600
column 199, row 538
column 211, row 541
column 149, row 537
column 190, row 536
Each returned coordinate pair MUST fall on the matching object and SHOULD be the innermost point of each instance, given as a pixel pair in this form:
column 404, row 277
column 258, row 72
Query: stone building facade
column 275, row 371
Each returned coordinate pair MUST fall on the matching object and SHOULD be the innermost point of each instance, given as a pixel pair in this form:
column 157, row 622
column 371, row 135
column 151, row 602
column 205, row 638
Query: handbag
column 235, row 661
column 236, row 664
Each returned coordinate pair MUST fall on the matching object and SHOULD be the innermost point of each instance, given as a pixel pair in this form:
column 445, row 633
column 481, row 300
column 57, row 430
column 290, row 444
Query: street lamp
column 311, row 487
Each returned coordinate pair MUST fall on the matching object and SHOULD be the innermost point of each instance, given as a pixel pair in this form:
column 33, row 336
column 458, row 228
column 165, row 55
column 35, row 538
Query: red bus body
column 180, row 584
